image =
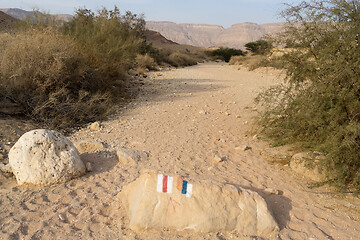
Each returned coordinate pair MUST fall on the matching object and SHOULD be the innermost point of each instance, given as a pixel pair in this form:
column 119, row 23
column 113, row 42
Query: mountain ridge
column 236, row 36
column 23, row 14
column 202, row 35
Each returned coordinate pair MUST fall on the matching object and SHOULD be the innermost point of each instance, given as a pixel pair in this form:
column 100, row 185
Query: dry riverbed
column 183, row 118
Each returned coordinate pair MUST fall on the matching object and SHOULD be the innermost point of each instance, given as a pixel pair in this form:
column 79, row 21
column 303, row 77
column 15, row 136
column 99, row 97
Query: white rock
column 62, row 217
column 45, row 157
column 211, row 206
column 130, row 156
column 89, row 167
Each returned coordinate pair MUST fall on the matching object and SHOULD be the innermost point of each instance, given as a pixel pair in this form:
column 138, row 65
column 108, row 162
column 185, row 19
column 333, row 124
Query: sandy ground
column 182, row 118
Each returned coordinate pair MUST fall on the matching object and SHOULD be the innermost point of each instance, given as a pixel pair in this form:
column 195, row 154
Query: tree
column 319, row 104
column 259, row 47
column 226, row 53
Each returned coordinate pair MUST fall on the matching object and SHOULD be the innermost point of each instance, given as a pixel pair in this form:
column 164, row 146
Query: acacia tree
column 260, row 47
column 319, row 103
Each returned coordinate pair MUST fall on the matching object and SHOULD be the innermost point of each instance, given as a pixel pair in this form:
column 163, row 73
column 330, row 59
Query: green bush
column 67, row 75
column 226, row 53
column 319, row 105
column 259, row 47
column 109, row 40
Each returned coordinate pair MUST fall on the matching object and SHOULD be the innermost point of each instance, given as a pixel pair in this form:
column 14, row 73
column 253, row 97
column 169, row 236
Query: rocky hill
column 6, row 22
column 213, row 35
column 155, row 37
column 22, row 14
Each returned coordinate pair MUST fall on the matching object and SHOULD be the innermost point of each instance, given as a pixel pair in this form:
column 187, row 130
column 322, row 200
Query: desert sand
column 182, row 118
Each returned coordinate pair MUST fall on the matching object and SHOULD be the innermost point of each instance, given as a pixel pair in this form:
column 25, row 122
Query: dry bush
column 43, row 70
column 109, row 40
column 178, row 59
column 191, row 55
column 251, row 62
column 144, row 62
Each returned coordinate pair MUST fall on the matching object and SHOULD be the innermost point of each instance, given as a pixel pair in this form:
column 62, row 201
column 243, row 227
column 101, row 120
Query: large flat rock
column 156, row 201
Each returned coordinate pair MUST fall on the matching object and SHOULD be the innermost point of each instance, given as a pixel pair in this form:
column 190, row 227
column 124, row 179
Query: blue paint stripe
column 184, row 187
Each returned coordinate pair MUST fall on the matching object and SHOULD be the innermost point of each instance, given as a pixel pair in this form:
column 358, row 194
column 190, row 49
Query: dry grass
column 43, row 70
column 179, row 55
column 251, row 62
column 144, row 63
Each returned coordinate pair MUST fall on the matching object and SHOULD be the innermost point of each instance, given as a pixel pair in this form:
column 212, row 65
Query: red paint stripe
column 165, row 179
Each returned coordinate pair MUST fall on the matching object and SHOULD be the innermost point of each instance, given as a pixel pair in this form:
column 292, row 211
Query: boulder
column 167, row 201
column 45, row 157
column 130, row 156
column 307, row 164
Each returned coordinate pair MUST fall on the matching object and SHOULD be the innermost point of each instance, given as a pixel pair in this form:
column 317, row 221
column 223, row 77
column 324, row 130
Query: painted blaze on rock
column 157, row 201
column 45, row 157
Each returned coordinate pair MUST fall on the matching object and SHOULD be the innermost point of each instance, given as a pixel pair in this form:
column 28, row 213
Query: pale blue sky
column 220, row 12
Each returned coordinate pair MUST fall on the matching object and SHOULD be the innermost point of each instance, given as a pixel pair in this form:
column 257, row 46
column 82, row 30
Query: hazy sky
column 220, row 12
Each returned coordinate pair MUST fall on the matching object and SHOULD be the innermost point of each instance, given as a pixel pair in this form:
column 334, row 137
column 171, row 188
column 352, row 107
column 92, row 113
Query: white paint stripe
column 189, row 190
column 170, row 184
column 159, row 186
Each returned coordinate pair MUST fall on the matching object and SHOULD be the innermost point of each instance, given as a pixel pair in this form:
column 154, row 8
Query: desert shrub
column 319, row 104
column 178, row 59
column 144, row 62
column 111, row 41
column 251, row 62
column 225, row 54
column 45, row 72
column 259, row 47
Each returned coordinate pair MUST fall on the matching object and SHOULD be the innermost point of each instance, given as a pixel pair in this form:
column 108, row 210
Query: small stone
column 6, row 168
column 89, row 146
column 202, row 111
column 227, row 114
column 243, row 148
column 130, row 156
column 271, row 191
column 89, row 167
column 217, row 158
column 75, row 204
column 1, row 156
column 95, row 126
column 62, row 217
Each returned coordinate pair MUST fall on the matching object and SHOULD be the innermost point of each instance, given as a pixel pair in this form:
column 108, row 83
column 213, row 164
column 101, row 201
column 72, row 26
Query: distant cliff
column 213, row 35
column 203, row 35
column 22, row 14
